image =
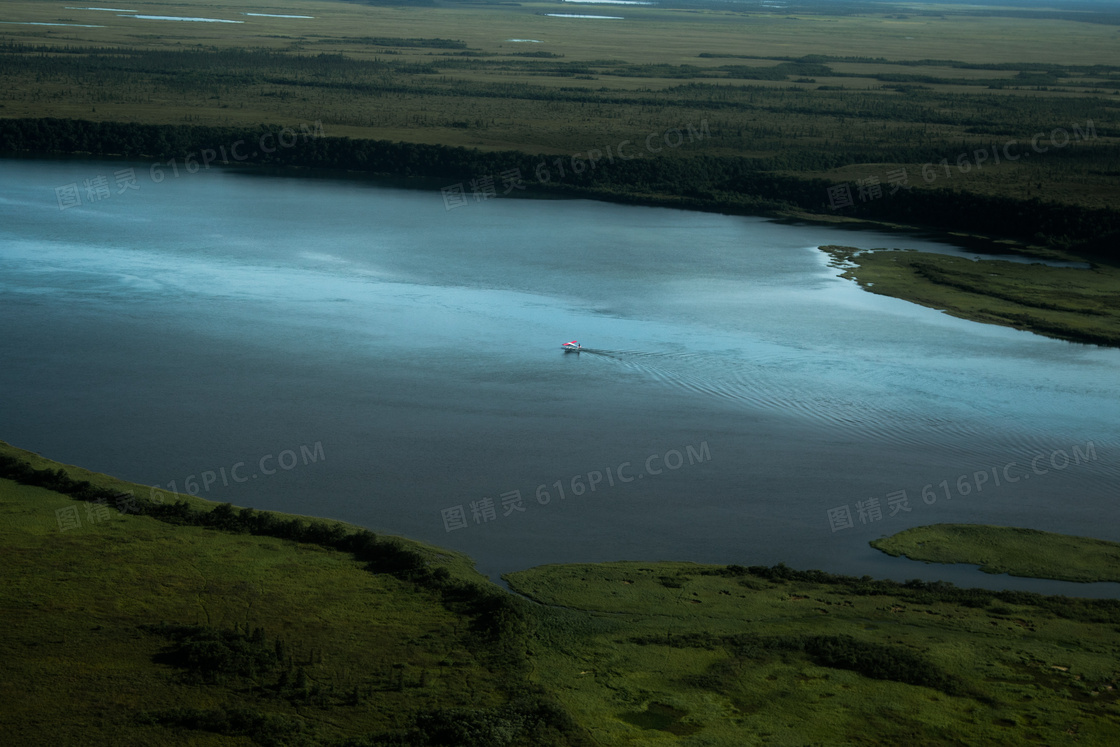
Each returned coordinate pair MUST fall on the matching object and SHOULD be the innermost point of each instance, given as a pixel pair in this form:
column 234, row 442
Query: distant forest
column 733, row 185
column 1087, row 11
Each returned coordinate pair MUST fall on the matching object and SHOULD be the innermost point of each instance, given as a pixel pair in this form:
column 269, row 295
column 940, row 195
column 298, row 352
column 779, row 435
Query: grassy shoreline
column 194, row 627
column 1073, row 304
column 1018, row 552
column 152, row 618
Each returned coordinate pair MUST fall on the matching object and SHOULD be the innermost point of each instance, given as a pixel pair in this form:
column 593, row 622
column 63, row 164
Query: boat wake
column 882, row 405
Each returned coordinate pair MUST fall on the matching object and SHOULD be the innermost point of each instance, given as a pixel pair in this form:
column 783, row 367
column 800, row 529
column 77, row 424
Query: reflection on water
column 217, row 317
column 179, row 18
column 274, row 15
column 43, row 23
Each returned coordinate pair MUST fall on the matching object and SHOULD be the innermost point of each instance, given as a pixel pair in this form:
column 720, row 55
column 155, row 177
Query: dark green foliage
column 529, row 721
column 268, row 729
column 395, row 41
column 211, row 654
column 781, row 71
column 520, row 723
column 930, row 592
column 879, row 662
column 872, row 660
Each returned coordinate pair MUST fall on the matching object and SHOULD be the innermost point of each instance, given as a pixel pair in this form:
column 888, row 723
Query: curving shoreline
column 1076, row 305
column 431, row 565
column 721, row 184
column 1028, row 553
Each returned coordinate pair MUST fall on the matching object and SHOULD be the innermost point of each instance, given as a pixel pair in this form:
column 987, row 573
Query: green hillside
column 126, row 629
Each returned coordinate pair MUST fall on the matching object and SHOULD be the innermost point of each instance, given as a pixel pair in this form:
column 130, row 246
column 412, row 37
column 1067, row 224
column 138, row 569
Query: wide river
column 350, row 350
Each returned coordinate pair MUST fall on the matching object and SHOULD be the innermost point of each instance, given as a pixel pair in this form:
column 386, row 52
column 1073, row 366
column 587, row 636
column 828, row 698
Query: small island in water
column 1015, row 551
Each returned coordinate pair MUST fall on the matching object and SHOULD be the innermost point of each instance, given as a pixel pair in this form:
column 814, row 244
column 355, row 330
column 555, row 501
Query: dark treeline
column 203, row 68
column 212, row 655
column 1024, row 66
column 874, row 660
column 713, row 183
column 524, row 722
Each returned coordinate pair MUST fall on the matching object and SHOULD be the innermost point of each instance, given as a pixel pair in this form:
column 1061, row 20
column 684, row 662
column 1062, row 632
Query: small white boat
column 572, row 346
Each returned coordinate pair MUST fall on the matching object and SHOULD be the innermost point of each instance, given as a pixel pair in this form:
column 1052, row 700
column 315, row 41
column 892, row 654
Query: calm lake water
column 216, row 327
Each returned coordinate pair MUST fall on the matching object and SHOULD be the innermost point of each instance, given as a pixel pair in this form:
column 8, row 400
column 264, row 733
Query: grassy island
column 1019, row 552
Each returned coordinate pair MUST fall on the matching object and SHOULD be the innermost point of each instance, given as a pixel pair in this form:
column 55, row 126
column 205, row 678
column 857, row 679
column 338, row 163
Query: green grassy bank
column 171, row 623
column 1079, row 305
column 1019, row 552
column 134, row 621
column 696, row 654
